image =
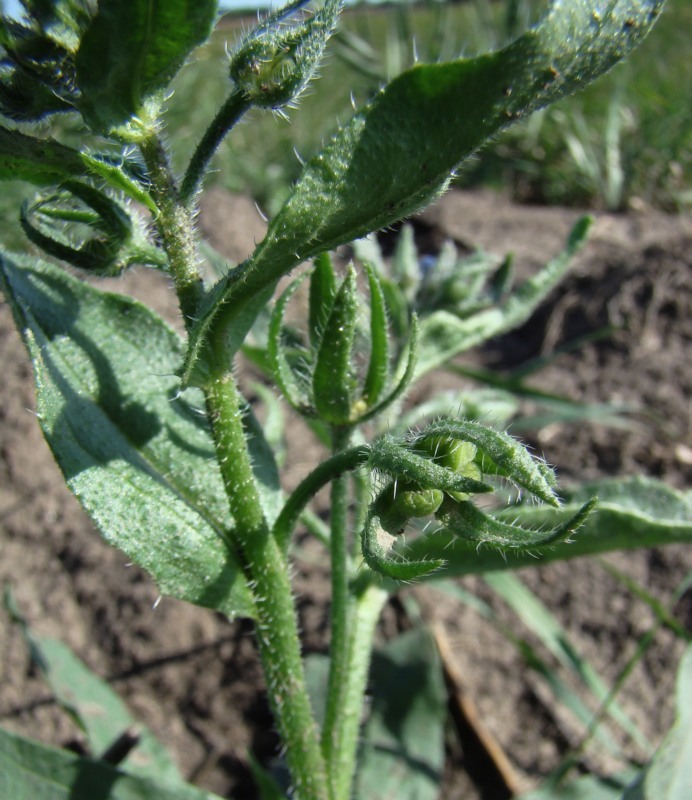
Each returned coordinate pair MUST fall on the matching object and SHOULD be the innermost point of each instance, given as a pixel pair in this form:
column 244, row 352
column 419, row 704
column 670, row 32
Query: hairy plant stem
column 227, row 116
column 324, row 473
column 268, row 572
column 176, row 228
column 365, row 612
column 341, row 603
column 266, row 565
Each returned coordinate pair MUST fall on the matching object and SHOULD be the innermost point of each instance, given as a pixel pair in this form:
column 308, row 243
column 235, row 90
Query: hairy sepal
column 398, row 152
column 497, row 453
column 275, row 62
column 390, row 456
column 465, row 521
column 630, row 513
column 380, row 554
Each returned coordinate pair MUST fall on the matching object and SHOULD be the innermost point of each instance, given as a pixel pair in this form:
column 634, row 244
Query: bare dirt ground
column 195, row 679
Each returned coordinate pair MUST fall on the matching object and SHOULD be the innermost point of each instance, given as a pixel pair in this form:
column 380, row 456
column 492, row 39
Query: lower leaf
column 136, row 454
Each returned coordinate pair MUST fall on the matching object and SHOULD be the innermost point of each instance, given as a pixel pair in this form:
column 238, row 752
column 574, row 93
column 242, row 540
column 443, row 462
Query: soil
column 195, row 679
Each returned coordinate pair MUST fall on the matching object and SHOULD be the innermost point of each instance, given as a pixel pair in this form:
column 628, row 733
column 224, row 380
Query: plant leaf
column 398, row 152
column 38, row 161
column 403, row 740
column 130, row 53
column 588, row 787
column 96, row 708
column 669, row 774
column 137, row 456
column 33, row 771
column 635, row 512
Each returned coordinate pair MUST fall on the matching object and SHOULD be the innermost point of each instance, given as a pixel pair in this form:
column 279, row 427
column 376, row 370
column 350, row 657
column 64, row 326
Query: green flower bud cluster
column 319, row 378
column 434, row 473
column 405, row 499
column 274, row 63
column 88, row 229
column 37, row 70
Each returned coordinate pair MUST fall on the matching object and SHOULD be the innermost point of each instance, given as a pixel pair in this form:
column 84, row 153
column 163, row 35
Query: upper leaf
column 131, row 52
column 398, row 152
column 137, row 455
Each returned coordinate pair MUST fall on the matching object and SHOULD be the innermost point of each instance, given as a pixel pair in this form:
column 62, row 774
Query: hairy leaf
column 403, row 739
column 38, row 161
column 669, row 775
column 137, row 456
column 398, row 152
column 94, row 706
column 130, row 53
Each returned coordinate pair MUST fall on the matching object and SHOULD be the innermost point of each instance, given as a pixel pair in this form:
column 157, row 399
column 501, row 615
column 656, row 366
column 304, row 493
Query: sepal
column 380, row 554
column 433, row 473
column 465, row 521
column 274, row 63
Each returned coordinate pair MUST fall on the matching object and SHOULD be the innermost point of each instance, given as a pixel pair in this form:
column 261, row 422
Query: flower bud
column 273, row 64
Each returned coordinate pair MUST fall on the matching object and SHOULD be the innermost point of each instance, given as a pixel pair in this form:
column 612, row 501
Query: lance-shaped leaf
column 94, row 705
column 398, row 152
column 137, row 455
column 669, row 775
column 131, row 52
column 637, row 512
column 403, row 742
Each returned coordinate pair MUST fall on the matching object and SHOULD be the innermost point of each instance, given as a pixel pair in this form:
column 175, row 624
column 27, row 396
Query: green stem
column 227, row 116
column 365, row 612
column 340, row 614
column 266, row 565
column 268, row 571
column 327, row 471
column 176, row 228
